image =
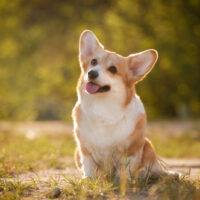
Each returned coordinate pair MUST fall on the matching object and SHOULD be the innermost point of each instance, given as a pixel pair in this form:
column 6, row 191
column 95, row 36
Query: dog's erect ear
column 88, row 44
column 140, row 64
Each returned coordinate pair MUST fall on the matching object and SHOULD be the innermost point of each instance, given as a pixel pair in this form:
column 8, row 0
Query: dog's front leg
column 129, row 165
column 89, row 167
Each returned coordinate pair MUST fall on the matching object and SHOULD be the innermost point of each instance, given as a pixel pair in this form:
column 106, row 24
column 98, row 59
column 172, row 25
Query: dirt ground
column 46, row 178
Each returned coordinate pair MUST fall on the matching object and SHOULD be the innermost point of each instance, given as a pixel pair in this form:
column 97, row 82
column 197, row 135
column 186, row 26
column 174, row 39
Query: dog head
column 106, row 72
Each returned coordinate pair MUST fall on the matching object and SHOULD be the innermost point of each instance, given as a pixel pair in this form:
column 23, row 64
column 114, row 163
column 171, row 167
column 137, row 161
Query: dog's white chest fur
column 104, row 126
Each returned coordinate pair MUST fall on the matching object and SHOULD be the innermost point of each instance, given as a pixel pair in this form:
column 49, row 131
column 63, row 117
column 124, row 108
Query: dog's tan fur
column 94, row 131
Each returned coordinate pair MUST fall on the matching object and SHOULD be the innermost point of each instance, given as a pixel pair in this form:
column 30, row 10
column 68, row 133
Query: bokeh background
column 39, row 65
column 39, row 70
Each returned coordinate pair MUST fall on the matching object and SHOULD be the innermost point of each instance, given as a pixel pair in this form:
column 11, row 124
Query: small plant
column 98, row 188
column 15, row 189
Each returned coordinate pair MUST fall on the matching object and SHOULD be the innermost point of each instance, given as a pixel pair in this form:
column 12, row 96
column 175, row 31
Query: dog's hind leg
column 152, row 165
column 150, row 161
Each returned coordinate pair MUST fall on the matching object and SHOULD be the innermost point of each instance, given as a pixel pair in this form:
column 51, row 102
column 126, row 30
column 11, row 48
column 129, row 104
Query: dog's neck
column 109, row 109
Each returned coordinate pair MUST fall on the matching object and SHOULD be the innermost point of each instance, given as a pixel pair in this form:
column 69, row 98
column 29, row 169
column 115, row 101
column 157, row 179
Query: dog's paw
column 89, row 177
column 173, row 174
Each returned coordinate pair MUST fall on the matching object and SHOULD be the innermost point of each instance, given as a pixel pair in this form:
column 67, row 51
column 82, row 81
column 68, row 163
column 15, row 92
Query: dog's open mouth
column 93, row 88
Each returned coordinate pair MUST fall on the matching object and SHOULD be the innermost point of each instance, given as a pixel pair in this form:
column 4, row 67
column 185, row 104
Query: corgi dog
column 109, row 117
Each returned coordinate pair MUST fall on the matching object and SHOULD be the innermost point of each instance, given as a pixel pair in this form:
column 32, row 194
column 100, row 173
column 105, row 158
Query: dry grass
column 15, row 189
column 164, row 188
column 20, row 154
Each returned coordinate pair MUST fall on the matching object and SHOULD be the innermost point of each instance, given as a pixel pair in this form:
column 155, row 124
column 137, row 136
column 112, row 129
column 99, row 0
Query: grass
column 15, row 189
column 183, row 189
column 184, row 146
column 88, row 189
column 21, row 154
column 164, row 188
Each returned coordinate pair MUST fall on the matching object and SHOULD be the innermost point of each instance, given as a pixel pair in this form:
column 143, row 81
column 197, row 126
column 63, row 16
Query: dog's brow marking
column 111, row 63
column 106, row 57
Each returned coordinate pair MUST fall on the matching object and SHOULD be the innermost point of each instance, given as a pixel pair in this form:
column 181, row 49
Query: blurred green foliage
column 39, row 53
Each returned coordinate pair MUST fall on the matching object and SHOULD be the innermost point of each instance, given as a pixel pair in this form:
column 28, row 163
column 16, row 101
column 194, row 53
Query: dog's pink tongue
column 91, row 87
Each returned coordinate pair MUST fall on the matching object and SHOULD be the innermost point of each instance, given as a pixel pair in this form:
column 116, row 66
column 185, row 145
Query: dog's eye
column 112, row 69
column 94, row 62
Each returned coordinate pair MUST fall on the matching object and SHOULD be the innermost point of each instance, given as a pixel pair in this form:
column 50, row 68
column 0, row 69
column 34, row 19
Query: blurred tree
column 39, row 53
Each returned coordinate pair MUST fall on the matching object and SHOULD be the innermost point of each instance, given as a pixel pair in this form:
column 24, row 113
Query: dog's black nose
column 92, row 74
